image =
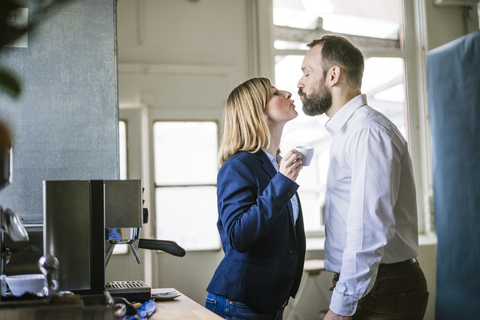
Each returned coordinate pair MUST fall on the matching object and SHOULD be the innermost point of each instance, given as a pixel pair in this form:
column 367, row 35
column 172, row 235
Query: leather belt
column 383, row 268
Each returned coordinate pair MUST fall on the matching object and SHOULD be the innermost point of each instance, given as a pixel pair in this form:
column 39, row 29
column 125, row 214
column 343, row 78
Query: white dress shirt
column 371, row 213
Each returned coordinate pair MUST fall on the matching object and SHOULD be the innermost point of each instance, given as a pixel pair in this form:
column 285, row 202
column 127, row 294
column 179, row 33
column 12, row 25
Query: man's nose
column 300, row 83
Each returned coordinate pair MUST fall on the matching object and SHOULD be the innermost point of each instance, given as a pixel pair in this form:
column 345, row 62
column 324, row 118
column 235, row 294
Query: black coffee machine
column 83, row 220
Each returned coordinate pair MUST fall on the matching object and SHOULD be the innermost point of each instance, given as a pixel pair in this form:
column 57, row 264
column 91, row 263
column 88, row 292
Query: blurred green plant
column 9, row 82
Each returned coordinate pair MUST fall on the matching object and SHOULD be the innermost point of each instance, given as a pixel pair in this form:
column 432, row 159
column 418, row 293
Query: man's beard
column 317, row 103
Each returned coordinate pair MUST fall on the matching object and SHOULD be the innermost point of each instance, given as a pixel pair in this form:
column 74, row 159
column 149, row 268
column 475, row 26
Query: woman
column 260, row 218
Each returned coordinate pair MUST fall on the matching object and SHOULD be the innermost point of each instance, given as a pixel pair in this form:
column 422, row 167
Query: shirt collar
column 273, row 159
column 340, row 118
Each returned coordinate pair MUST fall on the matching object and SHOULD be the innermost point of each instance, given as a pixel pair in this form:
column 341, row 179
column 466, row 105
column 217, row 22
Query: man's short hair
column 338, row 51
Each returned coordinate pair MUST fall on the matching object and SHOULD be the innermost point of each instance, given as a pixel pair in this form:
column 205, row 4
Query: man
column 371, row 220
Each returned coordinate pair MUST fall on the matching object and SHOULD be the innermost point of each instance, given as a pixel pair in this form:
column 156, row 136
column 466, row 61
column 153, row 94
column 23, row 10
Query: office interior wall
column 65, row 122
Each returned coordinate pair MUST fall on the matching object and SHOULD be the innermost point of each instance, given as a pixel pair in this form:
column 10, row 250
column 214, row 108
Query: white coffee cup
column 23, row 283
column 307, row 154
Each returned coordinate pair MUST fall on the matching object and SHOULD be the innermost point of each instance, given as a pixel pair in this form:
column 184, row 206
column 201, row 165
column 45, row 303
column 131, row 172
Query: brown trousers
column 396, row 295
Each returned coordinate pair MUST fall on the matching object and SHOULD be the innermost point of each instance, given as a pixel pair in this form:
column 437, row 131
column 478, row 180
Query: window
column 185, row 164
column 122, row 142
column 376, row 27
column 122, row 137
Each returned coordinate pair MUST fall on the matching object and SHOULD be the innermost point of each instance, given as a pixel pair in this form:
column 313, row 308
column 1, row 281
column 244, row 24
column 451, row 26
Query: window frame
column 122, row 248
column 155, row 185
column 414, row 55
column 125, row 121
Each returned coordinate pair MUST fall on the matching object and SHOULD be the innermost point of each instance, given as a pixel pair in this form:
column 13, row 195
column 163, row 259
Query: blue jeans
column 235, row 310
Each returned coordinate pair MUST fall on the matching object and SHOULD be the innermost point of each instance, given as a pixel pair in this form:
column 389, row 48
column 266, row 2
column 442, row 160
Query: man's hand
column 333, row 316
column 334, row 284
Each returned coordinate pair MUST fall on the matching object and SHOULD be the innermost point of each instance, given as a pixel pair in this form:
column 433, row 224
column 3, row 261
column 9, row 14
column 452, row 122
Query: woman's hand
column 291, row 164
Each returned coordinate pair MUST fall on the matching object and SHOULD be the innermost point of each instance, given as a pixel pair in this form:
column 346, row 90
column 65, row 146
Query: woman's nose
column 288, row 95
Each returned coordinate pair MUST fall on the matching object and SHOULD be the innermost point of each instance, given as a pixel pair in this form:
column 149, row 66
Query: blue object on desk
column 148, row 308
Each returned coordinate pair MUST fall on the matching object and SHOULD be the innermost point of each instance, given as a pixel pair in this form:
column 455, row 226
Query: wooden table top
column 181, row 308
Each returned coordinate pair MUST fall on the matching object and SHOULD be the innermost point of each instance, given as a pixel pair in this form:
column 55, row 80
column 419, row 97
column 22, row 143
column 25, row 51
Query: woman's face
column 280, row 108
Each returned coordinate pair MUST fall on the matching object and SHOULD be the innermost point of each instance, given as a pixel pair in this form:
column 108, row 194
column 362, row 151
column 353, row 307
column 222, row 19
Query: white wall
column 207, row 32
column 446, row 23
column 159, row 41
column 178, row 59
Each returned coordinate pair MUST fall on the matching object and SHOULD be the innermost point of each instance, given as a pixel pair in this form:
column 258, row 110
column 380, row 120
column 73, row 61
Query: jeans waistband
column 383, row 268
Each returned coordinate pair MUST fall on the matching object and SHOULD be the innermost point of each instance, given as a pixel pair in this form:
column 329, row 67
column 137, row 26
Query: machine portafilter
column 130, row 237
column 48, row 265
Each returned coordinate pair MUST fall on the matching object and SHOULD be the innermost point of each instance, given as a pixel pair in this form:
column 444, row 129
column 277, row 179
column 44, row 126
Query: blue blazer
column 264, row 249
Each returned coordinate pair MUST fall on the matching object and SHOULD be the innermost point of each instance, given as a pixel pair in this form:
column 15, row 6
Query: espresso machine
column 83, row 221
column 10, row 223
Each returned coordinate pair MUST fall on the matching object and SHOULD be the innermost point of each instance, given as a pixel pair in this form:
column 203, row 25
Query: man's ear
column 333, row 75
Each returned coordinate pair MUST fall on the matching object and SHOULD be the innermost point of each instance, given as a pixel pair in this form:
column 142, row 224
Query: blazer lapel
column 299, row 222
column 266, row 164
column 268, row 167
column 300, row 228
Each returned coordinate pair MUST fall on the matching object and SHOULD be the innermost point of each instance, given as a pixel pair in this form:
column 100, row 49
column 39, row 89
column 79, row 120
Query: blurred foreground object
column 5, row 156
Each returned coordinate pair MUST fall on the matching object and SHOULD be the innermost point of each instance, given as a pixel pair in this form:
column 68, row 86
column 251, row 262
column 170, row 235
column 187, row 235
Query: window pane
column 382, row 83
column 188, row 216
column 185, row 153
column 310, row 131
column 185, row 158
column 122, row 136
column 378, row 19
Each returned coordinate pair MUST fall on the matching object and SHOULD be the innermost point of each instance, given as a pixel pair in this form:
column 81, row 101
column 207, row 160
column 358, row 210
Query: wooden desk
column 181, row 308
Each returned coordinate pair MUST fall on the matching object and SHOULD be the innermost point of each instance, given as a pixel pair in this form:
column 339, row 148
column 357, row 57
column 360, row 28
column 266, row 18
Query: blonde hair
column 245, row 125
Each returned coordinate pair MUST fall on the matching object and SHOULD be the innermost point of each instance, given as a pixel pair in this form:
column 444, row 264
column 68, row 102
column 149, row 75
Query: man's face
column 315, row 95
